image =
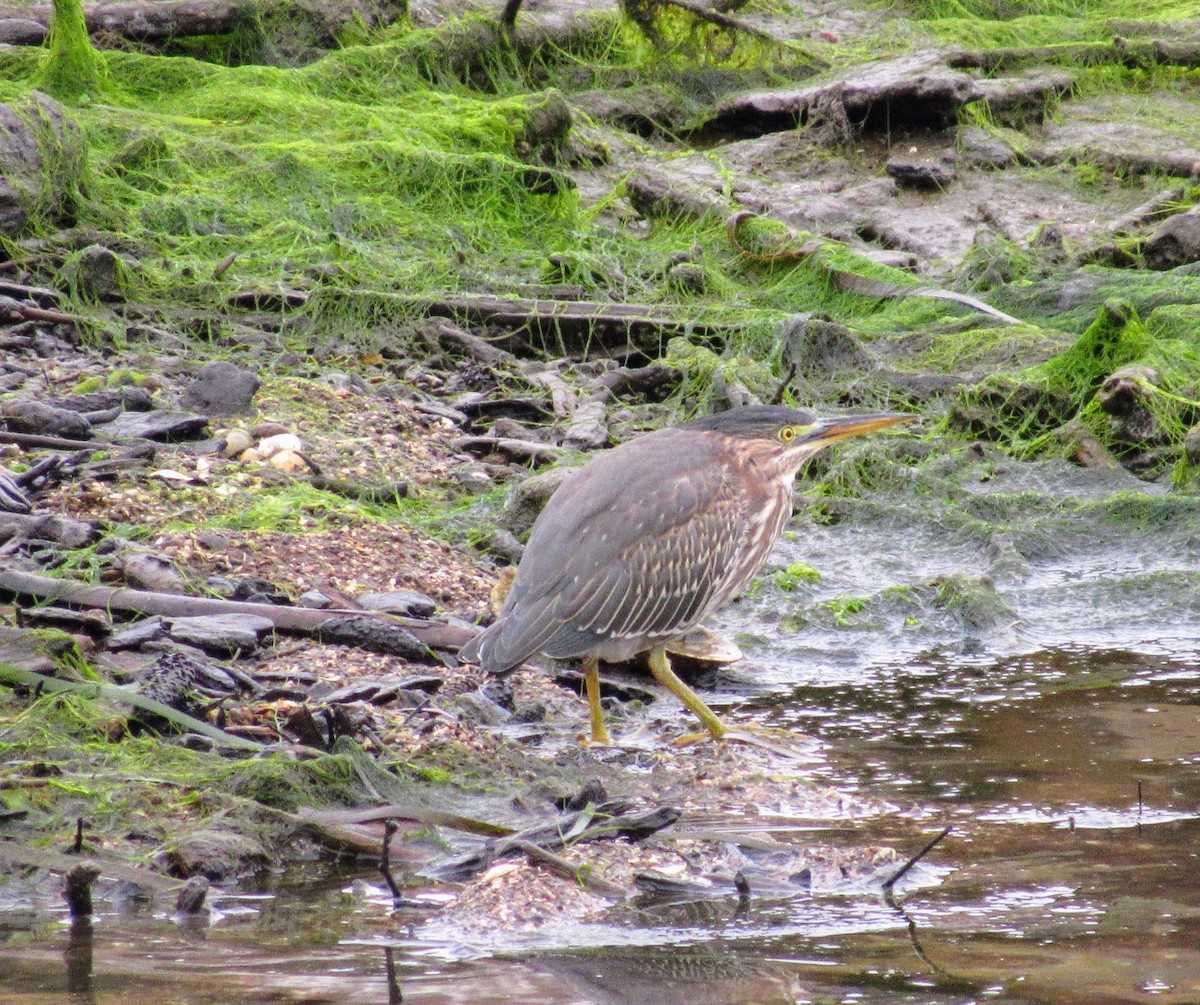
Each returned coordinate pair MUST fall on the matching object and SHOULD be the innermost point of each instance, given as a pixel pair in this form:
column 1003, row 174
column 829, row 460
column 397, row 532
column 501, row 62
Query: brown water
column 1052, row 720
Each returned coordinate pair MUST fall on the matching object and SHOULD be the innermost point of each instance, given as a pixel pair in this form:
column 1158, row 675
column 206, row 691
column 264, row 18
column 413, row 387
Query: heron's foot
column 783, row 742
column 597, row 739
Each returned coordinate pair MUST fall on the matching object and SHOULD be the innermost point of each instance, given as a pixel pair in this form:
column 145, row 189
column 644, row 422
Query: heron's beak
column 844, row 426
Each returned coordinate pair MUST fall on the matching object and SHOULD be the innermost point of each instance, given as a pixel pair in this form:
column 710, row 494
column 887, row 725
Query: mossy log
column 141, row 22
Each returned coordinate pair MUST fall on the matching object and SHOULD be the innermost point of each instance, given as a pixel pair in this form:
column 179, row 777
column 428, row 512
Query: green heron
column 647, row 539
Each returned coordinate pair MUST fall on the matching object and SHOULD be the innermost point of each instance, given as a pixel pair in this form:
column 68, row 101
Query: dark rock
column 1016, row 101
column 314, row 599
column 64, row 530
column 22, row 31
column 138, row 634
column 589, row 427
column 259, row 591
column 643, row 110
column 221, row 388
column 547, row 123
column 1175, row 242
column 217, row 853
column 261, row 430
column 504, row 545
column 164, row 426
column 475, row 706
column 820, row 346
column 1191, row 445
column 525, row 502
column 982, row 149
column 27, row 416
column 128, row 399
column 93, row 623
column 147, row 570
column 31, row 649
column 375, row 635
column 473, row 478
column 1050, row 239
column 1126, row 398
column 1084, row 447
column 687, row 277
column 95, row 274
column 1124, row 391
column 358, row 691
column 43, row 163
column 656, row 195
column 407, row 603
column 224, row 633
column 191, row 897
column 911, row 170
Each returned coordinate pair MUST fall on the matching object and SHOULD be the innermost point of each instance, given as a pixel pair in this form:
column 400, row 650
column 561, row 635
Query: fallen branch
column 303, row 620
column 159, row 21
column 581, row 321
column 851, row 282
column 903, row 870
column 51, row 442
column 15, row 310
column 581, row 874
column 1126, row 52
column 41, row 293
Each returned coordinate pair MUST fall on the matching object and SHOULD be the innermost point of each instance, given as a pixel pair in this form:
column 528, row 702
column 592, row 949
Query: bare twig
column 891, row 882
column 53, row 442
column 385, row 858
column 580, row 874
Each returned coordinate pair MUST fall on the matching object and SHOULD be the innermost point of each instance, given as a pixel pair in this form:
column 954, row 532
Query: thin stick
column 889, row 883
column 385, row 865
column 564, row 867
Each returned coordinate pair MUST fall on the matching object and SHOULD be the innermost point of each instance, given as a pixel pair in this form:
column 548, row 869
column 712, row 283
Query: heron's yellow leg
column 591, row 677
column 660, row 666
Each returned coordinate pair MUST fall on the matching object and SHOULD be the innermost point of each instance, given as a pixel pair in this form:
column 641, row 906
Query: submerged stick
column 385, row 857
column 889, row 883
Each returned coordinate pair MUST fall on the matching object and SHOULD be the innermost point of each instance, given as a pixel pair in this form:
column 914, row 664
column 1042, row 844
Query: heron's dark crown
column 753, row 421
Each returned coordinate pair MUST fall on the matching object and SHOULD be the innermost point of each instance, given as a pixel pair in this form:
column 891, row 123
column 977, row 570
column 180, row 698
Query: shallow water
column 1025, row 669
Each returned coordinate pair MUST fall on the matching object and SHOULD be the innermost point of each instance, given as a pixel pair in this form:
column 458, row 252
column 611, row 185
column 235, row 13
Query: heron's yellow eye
column 787, row 434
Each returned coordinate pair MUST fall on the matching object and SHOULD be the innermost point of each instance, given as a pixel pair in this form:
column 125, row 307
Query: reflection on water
column 1026, row 670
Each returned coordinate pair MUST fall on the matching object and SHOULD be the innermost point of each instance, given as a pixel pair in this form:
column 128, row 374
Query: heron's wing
column 671, row 579
column 636, row 545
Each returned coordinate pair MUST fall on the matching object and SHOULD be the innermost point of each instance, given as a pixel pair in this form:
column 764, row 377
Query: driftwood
column 519, row 450
column 40, row 293
column 302, row 620
column 850, row 282
column 580, row 874
column 15, row 310
column 578, row 322
column 508, row 17
column 159, row 21
column 1141, row 52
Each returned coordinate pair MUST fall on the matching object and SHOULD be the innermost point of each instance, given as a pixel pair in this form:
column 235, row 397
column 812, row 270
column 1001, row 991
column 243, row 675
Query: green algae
column 73, row 71
column 1024, row 408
